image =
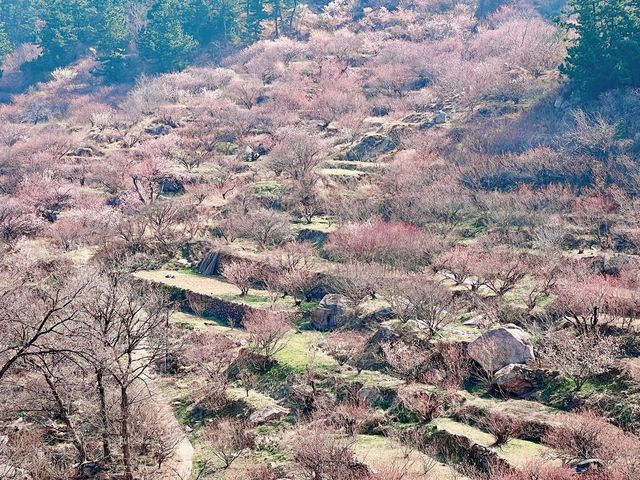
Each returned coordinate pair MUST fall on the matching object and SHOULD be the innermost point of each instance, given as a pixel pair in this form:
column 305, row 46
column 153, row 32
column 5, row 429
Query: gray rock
column 158, row 130
column 589, row 465
column 369, row 395
column 500, row 347
column 416, row 118
column 515, row 378
column 332, row 310
column 83, row 152
column 249, row 155
column 210, row 264
column 440, row 118
column 268, row 414
column 474, row 321
column 90, row 469
column 369, row 147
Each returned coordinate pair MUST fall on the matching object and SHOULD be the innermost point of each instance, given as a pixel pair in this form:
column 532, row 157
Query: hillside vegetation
column 276, row 240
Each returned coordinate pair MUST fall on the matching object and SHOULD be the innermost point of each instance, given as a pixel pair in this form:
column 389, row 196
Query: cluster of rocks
column 268, row 414
column 507, row 353
column 333, row 310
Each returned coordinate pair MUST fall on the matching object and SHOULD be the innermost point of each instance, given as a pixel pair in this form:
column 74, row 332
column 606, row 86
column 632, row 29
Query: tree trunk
column 104, row 419
column 124, row 433
column 65, row 418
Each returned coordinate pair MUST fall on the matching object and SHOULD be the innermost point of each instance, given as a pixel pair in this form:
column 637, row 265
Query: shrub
column 396, row 244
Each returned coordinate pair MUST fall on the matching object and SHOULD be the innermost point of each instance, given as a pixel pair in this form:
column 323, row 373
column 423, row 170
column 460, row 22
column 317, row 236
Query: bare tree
column 419, row 298
column 242, row 273
column 267, row 330
column 347, row 346
column 322, row 456
column 32, row 314
column 296, row 154
column 156, row 431
column 227, row 439
column 125, row 330
column 579, row 357
column 426, row 404
column 408, row 360
column 503, row 427
column 357, row 281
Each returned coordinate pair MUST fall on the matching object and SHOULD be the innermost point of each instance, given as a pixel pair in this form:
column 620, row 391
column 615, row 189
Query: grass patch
column 324, row 224
column 255, row 399
column 194, row 322
column 516, row 452
column 375, row 450
column 301, row 349
column 268, row 188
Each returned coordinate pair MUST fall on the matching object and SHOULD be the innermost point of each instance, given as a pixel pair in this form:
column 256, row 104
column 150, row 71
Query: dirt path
column 180, row 465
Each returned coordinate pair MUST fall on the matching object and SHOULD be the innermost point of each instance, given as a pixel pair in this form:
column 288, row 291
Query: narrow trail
column 180, row 465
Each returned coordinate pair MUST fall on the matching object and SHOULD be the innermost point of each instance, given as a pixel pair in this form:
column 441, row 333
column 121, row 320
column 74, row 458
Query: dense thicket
column 161, row 35
column 417, row 175
column 606, row 52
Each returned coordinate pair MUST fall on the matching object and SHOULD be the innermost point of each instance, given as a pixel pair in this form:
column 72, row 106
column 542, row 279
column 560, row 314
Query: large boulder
column 332, row 310
column 500, row 347
column 268, row 414
column 369, row 395
column 519, row 379
column 514, row 378
column 370, row 146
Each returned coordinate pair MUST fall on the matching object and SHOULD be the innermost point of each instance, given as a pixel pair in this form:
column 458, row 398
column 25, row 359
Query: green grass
column 341, row 172
column 198, row 323
column 189, row 271
column 371, row 377
column 353, row 165
column 301, row 349
column 255, row 399
column 376, row 450
column 308, row 307
column 267, row 188
column 516, row 452
column 253, row 300
column 319, row 223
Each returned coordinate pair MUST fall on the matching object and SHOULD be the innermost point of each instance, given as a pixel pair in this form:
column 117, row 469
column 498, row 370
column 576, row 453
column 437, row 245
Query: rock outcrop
column 268, row 414
column 332, row 310
column 369, row 147
column 500, row 347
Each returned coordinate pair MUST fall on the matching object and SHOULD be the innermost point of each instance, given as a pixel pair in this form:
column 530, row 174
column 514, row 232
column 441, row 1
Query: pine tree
column 213, row 20
column 606, row 52
column 255, row 16
column 112, row 40
column 67, row 25
column 5, row 44
column 164, row 40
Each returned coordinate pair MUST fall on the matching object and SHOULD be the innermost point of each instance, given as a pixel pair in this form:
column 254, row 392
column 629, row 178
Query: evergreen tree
column 213, row 20
column 5, row 44
column 255, row 15
column 66, row 26
column 113, row 39
column 19, row 19
column 164, row 40
column 606, row 52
